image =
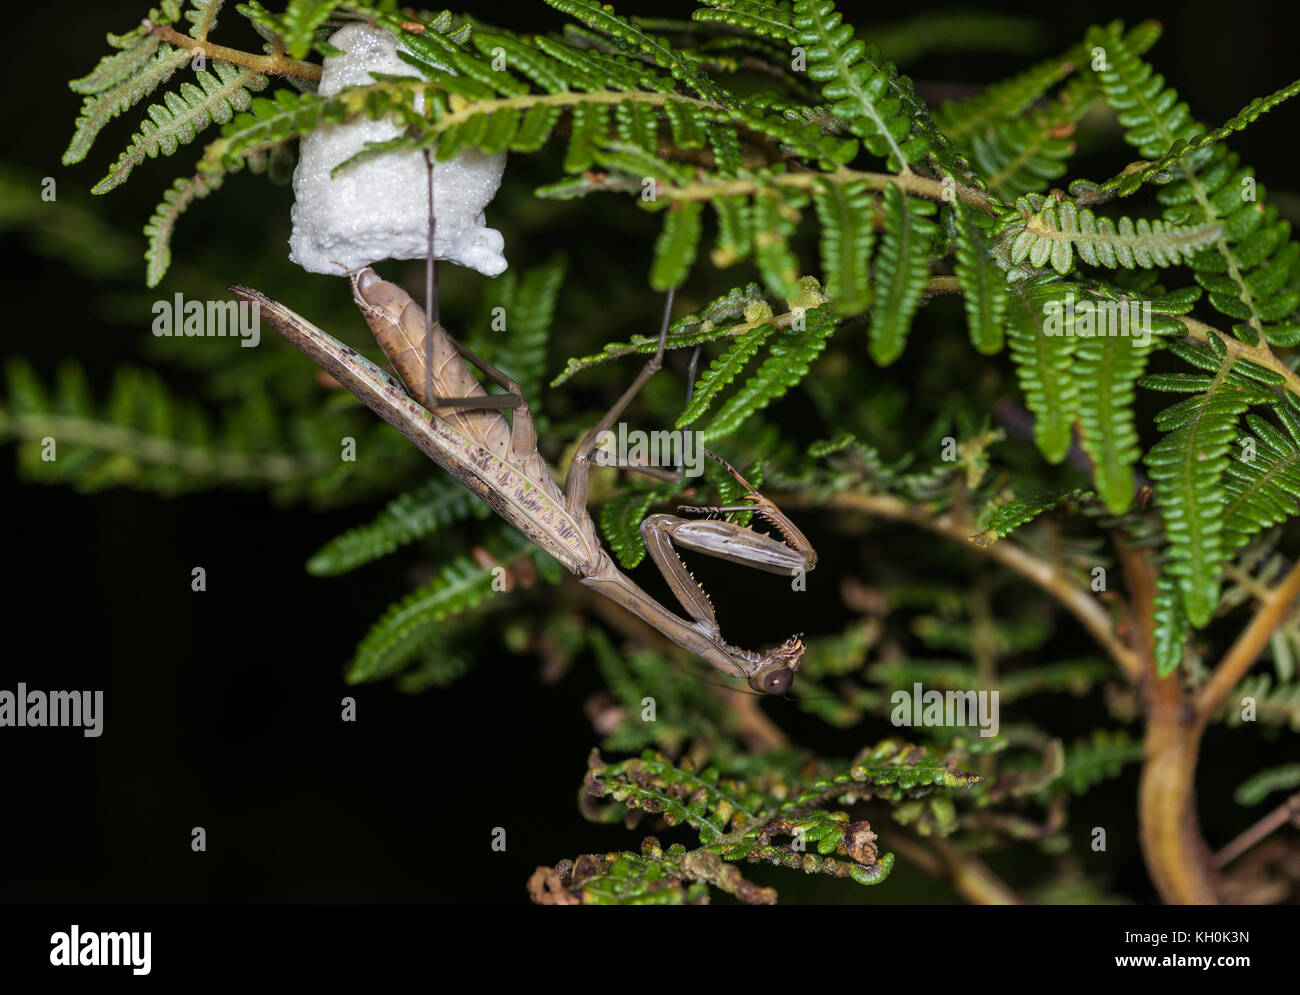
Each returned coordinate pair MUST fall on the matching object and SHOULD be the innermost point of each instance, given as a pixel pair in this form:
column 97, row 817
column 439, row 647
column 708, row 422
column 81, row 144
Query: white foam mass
column 378, row 209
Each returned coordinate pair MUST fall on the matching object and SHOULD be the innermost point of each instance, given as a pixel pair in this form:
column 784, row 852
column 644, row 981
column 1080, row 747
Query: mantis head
column 774, row 670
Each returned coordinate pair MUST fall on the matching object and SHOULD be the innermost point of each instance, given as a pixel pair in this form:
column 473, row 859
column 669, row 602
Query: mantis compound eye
column 777, row 681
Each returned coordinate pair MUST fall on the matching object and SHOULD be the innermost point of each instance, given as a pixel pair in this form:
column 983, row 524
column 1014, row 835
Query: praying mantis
column 442, row 407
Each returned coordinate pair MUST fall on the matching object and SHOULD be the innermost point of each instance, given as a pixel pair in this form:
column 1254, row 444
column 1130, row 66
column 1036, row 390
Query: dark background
column 223, row 708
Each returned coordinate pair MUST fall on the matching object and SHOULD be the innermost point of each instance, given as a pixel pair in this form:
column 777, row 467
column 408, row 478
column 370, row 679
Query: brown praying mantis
column 442, row 407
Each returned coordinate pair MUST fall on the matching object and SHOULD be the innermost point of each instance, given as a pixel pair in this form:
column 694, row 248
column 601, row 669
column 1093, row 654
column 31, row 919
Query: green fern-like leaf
column 298, row 27
column 1259, row 786
column 1110, row 365
column 413, row 515
column 675, row 249
column 847, row 215
column 1091, row 761
column 984, row 291
column 142, row 436
column 1132, row 179
column 118, row 89
column 858, row 84
column 620, row 522
column 1043, row 363
column 1000, row 521
column 723, row 370
column 1248, row 272
column 1056, row 231
column 788, row 362
column 1172, row 626
column 902, row 265
column 1262, row 482
column 404, row 630
column 183, row 114
column 632, row 39
column 1187, row 466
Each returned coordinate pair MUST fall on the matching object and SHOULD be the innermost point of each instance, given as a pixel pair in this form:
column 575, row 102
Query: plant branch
column 1243, row 653
column 1175, row 852
column 1260, row 354
column 1077, row 600
column 1288, row 811
column 273, row 65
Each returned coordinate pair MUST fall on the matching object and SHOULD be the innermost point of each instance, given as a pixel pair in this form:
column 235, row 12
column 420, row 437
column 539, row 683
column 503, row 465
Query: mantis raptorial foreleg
column 727, row 541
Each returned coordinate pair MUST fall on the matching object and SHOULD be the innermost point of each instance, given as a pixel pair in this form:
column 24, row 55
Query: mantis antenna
column 431, row 316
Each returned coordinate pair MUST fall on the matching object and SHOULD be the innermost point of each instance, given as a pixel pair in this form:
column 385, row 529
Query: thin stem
column 1077, row 600
column 1260, row 354
column 430, row 285
column 908, row 182
column 1243, row 653
column 1288, row 811
column 273, row 65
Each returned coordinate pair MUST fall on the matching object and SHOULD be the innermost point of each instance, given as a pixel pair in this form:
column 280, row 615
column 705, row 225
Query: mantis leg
column 575, row 483
column 523, row 432
column 725, row 541
column 738, row 544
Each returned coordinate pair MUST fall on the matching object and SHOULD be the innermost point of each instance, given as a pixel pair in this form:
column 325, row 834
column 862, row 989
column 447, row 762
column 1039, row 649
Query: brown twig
column 1077, row 600
column 273, row 65
column 969, row 876
column 1175, row 852
column 1288, row 811
column 1243, row 653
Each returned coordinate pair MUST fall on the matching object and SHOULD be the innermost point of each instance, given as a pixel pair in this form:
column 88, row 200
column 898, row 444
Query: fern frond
column 857, row 84
column 675, row 248
column 723, row 370
column 984, row 293
column 132, row 80
column 1001, row 520
column 1110, row 365
column 1248, row 273
column 788, row 362
column 774, row 217
column 963, row 120
column 1187, row 466
column 847, row 215
column 159, row 229
column 405, row 628
column 1136, row 175
column 1172, row 626
column 1262, row 482
column 732, row 314
column 1056, row 230
column 902, row 265
column 144, row 437
column 413, row 515
column 1023, row 152
column 202, row 15
column 1259, row 786
column 1091, row 761
column 632, row 39
column 620, row 523
column 1043, row 363
column 298, row 27
column 1278, row 706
